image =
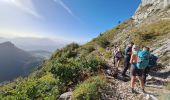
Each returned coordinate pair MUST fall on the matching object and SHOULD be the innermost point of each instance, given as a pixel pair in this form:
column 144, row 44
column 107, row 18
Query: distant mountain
column 34, row 44
column 15, row 62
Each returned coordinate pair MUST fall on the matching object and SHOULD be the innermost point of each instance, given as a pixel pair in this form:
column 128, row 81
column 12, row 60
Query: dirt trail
column 154, row 87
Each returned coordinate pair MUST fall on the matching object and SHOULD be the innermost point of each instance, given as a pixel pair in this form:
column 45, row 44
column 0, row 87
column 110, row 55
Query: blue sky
column 72, row 20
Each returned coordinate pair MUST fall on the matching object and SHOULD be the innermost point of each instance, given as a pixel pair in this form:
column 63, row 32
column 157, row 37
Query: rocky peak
column 7, row 44
column 148, row 8
column 161, row 3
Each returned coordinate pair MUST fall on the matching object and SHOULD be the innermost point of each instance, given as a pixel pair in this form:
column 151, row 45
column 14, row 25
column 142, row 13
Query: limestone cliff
column 149, row 8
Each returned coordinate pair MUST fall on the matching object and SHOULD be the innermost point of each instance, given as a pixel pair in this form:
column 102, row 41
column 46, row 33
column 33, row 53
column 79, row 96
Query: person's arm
column 131, row 59
column 128, row 51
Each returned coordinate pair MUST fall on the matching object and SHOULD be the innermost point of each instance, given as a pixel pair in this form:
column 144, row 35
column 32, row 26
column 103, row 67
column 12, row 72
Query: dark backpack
column 152, row 61
column 119, row 54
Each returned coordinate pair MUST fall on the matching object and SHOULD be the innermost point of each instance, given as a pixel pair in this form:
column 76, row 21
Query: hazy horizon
column 65, row 20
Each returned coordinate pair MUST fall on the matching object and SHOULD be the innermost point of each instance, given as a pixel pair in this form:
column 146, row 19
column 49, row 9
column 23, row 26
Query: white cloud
column 65, row 7
column 25, row 5
column 6, row 33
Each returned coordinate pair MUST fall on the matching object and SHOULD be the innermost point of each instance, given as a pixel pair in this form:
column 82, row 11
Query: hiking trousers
column 126, row 65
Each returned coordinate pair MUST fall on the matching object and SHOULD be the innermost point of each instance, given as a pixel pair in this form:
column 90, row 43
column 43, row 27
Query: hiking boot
column 143, row 91
column 133, row 91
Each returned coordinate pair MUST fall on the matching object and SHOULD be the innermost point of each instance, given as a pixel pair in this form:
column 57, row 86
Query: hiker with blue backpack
column 139, row 61
column 152, row 64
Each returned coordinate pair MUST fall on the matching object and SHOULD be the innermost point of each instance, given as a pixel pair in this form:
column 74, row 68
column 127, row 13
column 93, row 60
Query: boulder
column 66, row 96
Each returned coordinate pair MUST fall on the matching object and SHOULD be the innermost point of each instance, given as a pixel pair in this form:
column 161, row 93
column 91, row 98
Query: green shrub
column 86, row 50
column 45, row 87
column 108, row 55
column 103, row 42
column 73, row 70
column 66, row 70
column 90, row 48
column 89, row 89
column 68, row 51
column 101, row 50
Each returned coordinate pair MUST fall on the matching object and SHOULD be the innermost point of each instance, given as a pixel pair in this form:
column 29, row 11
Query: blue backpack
column 143, row 59
column 152, row 61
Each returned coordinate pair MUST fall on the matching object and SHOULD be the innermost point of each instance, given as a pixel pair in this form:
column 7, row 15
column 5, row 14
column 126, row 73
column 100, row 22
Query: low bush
column 103, row 42
column 72, row 71
column 90, row 89
column 45, row 87
column 90, row 48
column 68, row 51
column 108, row 55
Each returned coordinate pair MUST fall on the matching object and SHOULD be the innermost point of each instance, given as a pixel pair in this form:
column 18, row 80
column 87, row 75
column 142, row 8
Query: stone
column 66, row 96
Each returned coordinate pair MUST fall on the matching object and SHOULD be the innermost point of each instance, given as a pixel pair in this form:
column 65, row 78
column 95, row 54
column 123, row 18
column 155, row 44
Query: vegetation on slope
column 89, row 89
column 63, row 71
column 76, row 64
column 145, row 34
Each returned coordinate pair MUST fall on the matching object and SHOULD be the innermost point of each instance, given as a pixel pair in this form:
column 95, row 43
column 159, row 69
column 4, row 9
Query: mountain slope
column 81, row 69
column 15, row 62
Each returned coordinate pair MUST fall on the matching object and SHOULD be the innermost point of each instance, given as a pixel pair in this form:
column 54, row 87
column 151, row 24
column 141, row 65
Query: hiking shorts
column 135, row 71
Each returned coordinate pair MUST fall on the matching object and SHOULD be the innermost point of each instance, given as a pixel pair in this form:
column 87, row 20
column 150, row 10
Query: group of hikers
column 139, row 61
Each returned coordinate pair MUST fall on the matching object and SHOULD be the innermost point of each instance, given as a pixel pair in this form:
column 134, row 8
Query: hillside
column 80, row 71
column 15, row 62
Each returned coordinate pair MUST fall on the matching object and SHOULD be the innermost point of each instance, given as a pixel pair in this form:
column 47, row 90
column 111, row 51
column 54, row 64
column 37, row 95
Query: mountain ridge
column 30, row 43
column 15, row 62
column 79, row 72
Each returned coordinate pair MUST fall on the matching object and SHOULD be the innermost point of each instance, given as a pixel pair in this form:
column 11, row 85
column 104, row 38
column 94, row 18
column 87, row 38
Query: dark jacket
column 128, row 52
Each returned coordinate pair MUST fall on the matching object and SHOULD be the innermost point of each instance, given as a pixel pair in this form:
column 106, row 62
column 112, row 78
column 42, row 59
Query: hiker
column 139, row 61
column 114, row 53
column 117, row 57
column 152, row 64
column 128, row 52
column 134, row 71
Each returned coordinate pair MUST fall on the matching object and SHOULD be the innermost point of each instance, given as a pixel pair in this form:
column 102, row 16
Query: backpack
column 143, row 59
column 152, row 61
column 118, row 54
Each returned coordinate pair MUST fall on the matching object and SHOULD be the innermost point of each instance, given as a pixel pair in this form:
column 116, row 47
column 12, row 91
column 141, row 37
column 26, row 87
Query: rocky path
column 154, row 88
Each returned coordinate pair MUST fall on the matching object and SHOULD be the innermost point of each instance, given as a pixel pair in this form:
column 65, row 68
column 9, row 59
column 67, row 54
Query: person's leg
column 140, row 78
column 126, row 66
column 146, row 71
column 133, row 78
column 132, row 83
column 114, row 61
column 118, row 63
column 144, row 75
column 116, row 67
column 141, row 82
